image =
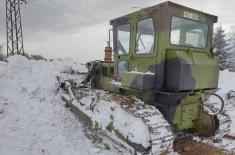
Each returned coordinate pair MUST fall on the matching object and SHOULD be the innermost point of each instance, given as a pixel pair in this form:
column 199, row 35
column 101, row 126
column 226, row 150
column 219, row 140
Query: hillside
column 33, row 118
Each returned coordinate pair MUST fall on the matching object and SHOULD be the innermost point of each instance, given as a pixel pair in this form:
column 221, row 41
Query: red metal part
column 108, row 54
column 108, row 50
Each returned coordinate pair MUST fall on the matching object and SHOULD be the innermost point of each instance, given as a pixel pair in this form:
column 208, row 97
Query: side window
column 145, row 36
column 123, row 39
column 122, row 68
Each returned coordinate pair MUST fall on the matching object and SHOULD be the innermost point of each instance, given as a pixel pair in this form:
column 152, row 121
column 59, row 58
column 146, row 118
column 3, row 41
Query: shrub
column 37, row 57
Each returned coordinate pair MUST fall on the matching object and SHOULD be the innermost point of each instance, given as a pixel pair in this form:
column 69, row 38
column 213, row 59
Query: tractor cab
column 168, row 45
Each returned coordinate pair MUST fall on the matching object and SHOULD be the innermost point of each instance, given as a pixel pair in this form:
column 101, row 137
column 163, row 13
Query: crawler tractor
column 163, row 56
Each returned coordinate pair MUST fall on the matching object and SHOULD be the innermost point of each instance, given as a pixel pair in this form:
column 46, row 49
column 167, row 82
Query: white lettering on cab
column 190, row 15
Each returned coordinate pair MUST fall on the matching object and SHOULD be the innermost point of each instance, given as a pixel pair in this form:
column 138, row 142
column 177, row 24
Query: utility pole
column 14, row 27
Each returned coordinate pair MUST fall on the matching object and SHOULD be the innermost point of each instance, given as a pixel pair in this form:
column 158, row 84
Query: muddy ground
column 187, row 146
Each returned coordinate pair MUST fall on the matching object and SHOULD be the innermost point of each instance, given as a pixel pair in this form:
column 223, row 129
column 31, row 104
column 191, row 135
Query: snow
column 117, row 83
column 33, row 119
column 146, row 73
column 227, row 83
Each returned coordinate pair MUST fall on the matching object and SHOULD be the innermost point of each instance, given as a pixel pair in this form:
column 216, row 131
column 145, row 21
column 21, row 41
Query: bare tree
column 37, row 57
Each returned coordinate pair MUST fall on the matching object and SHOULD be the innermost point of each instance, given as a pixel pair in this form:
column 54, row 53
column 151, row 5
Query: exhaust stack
column 108, row 51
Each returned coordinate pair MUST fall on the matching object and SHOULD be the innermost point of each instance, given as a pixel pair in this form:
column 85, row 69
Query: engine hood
column 190, row 70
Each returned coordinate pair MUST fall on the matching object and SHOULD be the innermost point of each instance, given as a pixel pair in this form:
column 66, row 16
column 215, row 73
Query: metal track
column 161, row 136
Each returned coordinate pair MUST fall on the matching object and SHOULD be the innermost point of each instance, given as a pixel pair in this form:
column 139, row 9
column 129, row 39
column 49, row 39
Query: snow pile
column 33, row 119
column 75, row 66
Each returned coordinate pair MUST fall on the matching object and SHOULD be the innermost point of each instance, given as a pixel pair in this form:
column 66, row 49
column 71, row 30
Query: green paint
column 97, row 126
column 187, row 114
column 111, row 128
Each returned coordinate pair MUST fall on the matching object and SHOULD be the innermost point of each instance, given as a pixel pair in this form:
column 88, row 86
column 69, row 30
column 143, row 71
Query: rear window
column 189, row 33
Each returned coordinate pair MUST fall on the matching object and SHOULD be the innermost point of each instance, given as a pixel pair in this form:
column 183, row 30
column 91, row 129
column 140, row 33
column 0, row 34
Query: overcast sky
column 78, row 28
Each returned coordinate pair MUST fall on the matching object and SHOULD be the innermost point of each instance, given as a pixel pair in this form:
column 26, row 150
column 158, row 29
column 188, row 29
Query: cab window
column 186, row 32
column 123, row 39
column 145, row 36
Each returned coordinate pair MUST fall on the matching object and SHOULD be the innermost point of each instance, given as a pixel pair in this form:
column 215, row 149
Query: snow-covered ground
column 227, row 84
column 33, row 119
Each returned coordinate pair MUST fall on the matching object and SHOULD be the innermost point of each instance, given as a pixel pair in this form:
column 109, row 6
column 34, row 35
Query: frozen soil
column 188, row 146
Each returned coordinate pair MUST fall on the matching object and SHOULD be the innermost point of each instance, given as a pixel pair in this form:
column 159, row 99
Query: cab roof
column 164, row 5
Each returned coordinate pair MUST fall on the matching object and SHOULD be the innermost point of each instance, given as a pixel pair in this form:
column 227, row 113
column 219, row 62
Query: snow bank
column 33, row 119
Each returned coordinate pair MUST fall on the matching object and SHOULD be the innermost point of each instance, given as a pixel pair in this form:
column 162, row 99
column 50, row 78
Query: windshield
column 185, row 32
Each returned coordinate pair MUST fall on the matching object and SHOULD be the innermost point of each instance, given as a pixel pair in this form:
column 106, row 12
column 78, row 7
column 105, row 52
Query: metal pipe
column 109, row 44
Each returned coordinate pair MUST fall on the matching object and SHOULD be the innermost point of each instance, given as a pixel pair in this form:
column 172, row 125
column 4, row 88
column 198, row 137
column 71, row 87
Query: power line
column 62, row 10
column 108, row 11
column 83, row 21
column 72, row 12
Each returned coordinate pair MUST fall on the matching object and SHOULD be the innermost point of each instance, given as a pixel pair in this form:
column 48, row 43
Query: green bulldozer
column 163, row 56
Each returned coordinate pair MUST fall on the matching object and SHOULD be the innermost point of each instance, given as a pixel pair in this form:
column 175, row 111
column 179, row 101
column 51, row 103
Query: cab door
column 123, row 48
column 144, row 51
